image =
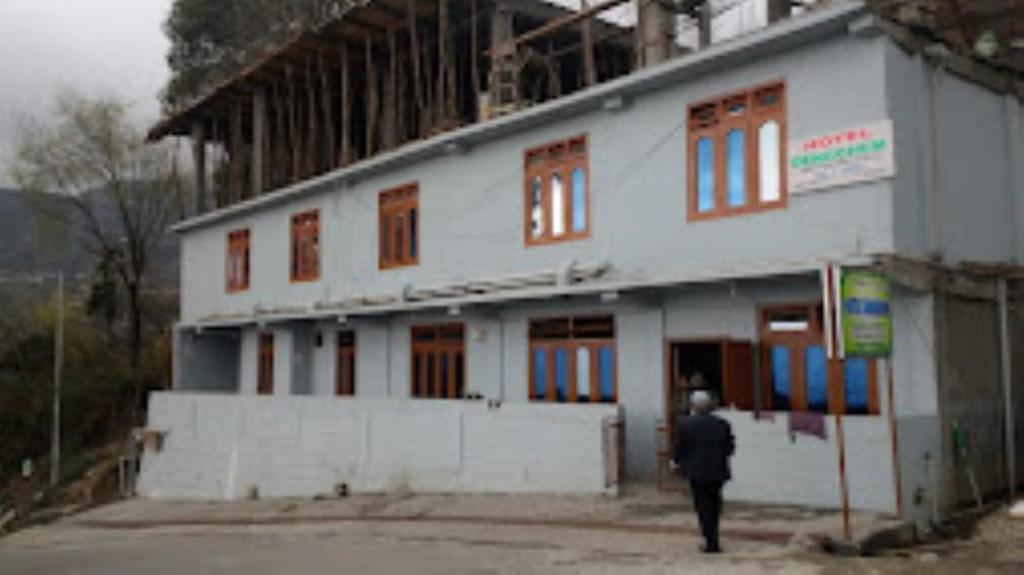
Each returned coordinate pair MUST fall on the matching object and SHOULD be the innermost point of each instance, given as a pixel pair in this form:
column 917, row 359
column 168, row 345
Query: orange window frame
column 541, row 165
column 265, row 369
column 345, row 368
column 431, row 344
column 797, row 342
column 574, row 336
column 399, row 227
column 238, row 261
column 305, row 246
column 749, row 111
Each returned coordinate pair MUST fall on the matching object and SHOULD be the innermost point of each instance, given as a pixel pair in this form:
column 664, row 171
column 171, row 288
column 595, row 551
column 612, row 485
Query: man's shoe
column 710, row 549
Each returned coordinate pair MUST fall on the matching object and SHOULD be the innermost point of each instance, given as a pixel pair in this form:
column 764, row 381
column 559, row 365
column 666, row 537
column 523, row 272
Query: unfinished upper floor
column 704, row 165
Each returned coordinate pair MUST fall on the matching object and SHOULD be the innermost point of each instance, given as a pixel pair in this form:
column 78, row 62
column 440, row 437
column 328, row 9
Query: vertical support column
column 779, row 10
column 655, row 32
column 199, row 164
column 1007, row 377
column 704, row 25
column 259, row 132
column 237, row 163
column 346, row 109
column 590, row 69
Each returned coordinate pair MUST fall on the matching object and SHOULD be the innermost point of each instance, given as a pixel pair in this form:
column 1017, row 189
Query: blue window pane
column 855, row 376
column 736, row 169
column 817, row 378
column 561, row 375
column 780, row 377
column 579, row 200
column 606, row 372
column 540, row 373
column 705, row 175
column 413, row 235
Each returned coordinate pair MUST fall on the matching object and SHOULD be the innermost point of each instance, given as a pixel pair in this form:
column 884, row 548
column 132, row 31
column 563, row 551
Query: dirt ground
column 397, row 541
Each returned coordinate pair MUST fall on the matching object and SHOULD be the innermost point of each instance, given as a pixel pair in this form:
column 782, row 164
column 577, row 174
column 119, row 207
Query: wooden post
column 442, row 60
column 294, row 147
column 199, row 160
column 590, row 70
column 474, row 56
column 346, row 109
column 259, row 115
column 417, row 74
column 325, row 101
column 371, row 98
column 390, row 120
column 312, row 165
column 237, row 163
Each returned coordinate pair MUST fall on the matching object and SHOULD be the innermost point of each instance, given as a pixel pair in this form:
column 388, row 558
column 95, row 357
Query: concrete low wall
column 218, row 447
column 772, row 466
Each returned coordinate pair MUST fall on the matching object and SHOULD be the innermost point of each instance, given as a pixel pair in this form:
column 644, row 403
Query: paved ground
column 437, row 535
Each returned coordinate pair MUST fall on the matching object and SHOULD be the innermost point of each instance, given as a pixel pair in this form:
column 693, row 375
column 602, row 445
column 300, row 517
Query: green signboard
column 866, row 317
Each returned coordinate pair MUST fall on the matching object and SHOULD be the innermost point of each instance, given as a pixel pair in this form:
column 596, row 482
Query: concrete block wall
column 221, row 447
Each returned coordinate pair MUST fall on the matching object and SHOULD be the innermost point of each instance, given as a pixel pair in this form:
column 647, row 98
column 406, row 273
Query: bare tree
column 89, row 162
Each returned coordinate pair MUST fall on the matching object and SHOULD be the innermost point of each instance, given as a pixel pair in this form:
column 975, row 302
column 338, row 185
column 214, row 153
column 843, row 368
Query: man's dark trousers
column 707, row 501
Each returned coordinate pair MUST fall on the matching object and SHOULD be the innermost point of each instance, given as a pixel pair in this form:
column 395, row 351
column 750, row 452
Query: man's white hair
column 701, row 400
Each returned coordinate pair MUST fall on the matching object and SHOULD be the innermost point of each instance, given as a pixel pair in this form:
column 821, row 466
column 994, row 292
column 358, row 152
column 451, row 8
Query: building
column 603, row 245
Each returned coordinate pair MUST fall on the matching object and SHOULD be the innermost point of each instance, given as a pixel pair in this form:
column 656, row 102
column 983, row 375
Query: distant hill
column 27, row 247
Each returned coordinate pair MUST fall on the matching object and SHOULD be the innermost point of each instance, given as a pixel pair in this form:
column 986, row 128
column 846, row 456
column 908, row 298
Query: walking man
column 704, row 444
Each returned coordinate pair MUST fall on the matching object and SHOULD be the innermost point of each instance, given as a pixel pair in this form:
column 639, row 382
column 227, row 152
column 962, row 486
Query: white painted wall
column 771, row 466
column 218, row 447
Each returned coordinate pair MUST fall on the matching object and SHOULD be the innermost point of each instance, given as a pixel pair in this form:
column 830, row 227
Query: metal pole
column 1004, row 355
column 58, row 364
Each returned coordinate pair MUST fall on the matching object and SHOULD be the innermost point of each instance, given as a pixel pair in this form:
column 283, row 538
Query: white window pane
column 769, row 162
column 557, row 205
column 582, row 373
column 536, row 208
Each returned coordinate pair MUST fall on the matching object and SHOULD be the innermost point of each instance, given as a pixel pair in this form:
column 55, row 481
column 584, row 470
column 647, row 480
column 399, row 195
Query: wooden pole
column 346, row 108
column 327, row 106
column 417, row 74
column 371, row 99
column 590, row 69
column 474, row 55
column 237, row 165
column 259, row 111
column 199, row 160
column 442, row 59
column 293, row 129
column 391, row 94
column 312, row 148
column 844, row 489
column 895, row 438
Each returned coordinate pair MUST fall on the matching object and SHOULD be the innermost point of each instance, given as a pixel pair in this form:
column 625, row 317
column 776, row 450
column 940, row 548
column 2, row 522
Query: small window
column 346, row 364
column 305, row 252
column 399, row 227
column 265, row 369
column 556, row 192
column 238, row 261
column 736, row 162
column 572, row 360
column 438, row 362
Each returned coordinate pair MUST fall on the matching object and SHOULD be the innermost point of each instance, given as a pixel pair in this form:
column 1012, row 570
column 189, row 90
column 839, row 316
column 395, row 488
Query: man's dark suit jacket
column 703, row 446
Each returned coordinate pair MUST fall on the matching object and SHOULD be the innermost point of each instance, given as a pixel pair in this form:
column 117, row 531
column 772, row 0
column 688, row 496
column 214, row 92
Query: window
column 736, row 155
column 572, row 360
column 439, row 362
column 265, row 371
column 305, row 253
column 238, row 261
column 796, row 374
column 399, row 227
column 345, row 369
column 556, row 191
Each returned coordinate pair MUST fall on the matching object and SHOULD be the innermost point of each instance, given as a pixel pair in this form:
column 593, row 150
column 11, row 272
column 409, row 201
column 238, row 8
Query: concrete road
column 387, row 546
column 374, row 547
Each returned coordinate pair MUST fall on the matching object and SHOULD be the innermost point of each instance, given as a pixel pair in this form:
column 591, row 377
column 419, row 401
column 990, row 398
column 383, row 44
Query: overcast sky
column 92, row 46
column 117, row 47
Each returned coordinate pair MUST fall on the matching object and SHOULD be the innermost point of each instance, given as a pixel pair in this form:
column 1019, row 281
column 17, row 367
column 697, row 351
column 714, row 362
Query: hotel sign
column 843, row 157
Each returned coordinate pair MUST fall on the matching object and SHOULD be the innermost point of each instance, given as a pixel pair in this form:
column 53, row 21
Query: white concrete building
column 495, row 306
